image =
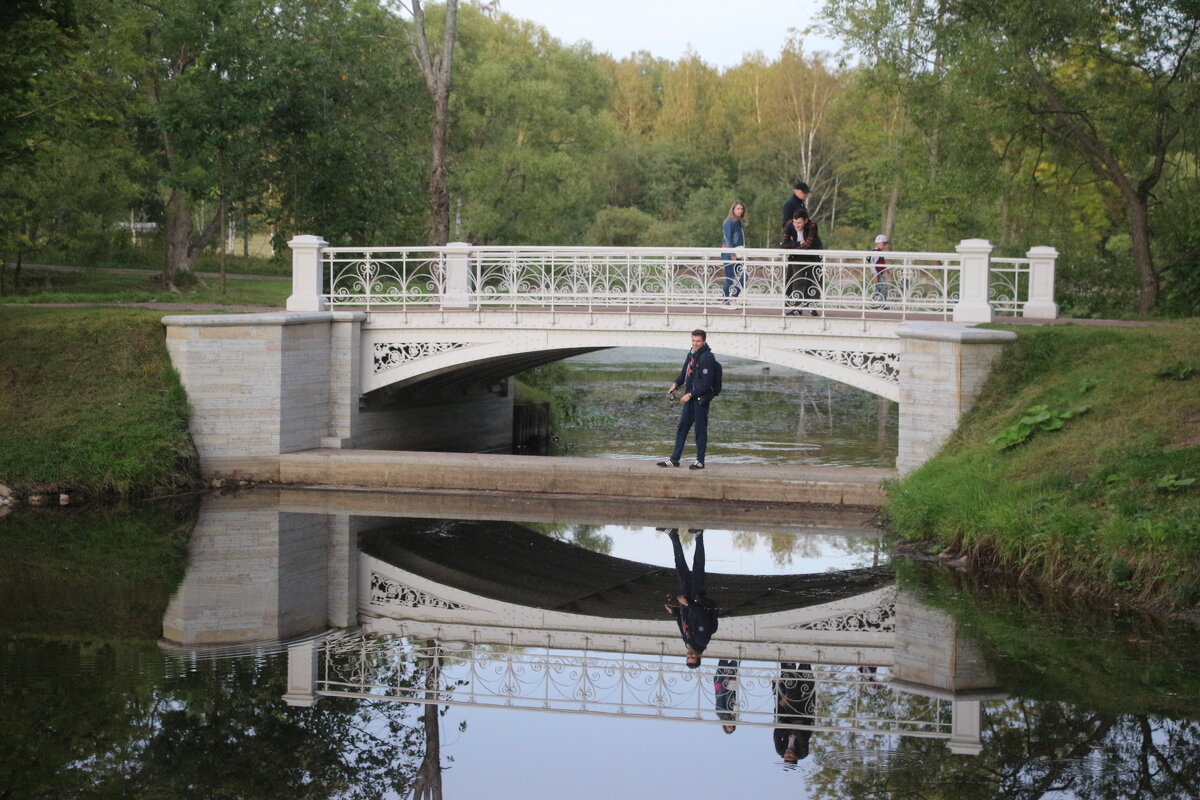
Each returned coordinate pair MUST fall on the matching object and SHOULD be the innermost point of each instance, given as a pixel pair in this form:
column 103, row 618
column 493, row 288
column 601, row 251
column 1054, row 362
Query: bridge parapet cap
column 280, row 318
column 952, row 332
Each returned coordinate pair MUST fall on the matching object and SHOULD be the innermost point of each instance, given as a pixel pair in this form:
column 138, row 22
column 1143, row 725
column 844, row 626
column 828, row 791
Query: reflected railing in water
column 848, row 698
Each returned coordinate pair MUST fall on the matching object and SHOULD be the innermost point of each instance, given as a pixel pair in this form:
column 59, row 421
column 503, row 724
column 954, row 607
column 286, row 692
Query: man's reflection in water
column 725, row 690
column 696, row 615
column 795, row 704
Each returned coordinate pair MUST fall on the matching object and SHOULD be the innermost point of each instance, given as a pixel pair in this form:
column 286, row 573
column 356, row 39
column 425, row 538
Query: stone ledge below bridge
column 615, row 478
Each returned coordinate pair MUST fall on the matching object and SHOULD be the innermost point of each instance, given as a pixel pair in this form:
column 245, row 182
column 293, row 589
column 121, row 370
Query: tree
column 436, row 67
column 530, row 136
column 345, row 140
column 198, row 91
column 1108, row 84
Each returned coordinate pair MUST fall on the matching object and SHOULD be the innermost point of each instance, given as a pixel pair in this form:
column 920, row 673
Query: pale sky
column 719, row 32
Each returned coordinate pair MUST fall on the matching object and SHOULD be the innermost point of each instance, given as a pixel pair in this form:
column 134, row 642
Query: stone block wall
column 930, row 651
column 943, row 367
column 262, row 384
column 254, row 575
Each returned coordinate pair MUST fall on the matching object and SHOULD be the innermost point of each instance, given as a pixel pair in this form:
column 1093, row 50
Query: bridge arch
column 402, row 355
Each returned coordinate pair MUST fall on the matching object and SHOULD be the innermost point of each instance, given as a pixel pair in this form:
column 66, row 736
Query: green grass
column 95, row 286
column 1103, row 502
column 88, row 400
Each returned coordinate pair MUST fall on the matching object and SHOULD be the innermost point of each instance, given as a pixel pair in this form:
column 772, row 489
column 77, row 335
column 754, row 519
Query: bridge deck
column 616, row 478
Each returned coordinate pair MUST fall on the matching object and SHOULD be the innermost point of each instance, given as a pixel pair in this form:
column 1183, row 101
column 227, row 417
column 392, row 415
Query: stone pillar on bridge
column 307, row 292
column 934, row 659
column 457, row 291
column 943, row 367
column 1041, row 303
column 973, row 281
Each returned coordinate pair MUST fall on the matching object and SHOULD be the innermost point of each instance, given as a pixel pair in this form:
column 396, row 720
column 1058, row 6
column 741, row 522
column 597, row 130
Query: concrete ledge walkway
column 615, row 478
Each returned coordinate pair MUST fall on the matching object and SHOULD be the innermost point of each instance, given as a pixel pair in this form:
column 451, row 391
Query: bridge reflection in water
column 459, row 601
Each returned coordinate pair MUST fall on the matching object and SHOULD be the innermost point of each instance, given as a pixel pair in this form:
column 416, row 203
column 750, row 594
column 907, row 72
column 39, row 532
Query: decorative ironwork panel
column 393, row 354
column 1008, row 287
column 881, row 619
column 878, row 365
column 388, row 592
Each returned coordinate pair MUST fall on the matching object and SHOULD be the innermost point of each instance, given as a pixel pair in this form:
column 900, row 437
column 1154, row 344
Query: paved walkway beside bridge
column 615, row 478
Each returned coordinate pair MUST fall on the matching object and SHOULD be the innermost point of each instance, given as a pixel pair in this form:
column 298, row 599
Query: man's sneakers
column 672, row 463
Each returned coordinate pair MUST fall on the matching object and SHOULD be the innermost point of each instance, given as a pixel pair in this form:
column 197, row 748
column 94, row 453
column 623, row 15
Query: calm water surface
column 765, row 414
column 132, row 665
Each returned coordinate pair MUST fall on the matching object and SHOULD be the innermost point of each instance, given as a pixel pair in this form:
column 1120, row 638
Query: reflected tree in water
column 787, row 547
column 107, row 721
column 1032, row 750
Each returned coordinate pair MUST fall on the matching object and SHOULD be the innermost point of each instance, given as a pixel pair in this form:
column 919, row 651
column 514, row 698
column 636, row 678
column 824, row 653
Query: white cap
column 881, row 239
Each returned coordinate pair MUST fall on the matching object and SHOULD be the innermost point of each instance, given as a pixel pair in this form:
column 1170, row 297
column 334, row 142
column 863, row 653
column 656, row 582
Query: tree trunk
column 889, row 211
column 436, row 70
column 428, row 782
column 439, row 188
column 1143, row 259
column 178, row 235
column 182, row 247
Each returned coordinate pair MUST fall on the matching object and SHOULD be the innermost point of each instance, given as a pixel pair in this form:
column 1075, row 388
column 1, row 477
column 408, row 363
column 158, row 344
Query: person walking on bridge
column 696, row 615
column 697, row 378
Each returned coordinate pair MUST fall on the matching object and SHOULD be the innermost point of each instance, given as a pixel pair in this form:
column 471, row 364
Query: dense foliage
column 1071, row 125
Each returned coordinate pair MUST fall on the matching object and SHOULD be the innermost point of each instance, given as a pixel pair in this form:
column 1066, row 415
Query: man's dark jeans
column 694, row 412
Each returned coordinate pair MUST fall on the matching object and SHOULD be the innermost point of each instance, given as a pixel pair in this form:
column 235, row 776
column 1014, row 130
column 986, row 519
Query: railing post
column 456, row 291
column 306, row 274
column 302, row 674
column 973, row 305
column 1041, row 303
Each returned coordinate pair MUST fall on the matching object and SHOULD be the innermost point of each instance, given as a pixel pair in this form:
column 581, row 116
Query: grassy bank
column 88, row 401
column 1110, row 500
column 98, row 286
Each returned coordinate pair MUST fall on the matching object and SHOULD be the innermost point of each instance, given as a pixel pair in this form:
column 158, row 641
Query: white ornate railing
column 967, row 285
column 836, row 697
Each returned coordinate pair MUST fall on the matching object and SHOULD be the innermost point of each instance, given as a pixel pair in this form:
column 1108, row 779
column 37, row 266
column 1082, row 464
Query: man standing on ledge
column 696, row 380
column 695, row 614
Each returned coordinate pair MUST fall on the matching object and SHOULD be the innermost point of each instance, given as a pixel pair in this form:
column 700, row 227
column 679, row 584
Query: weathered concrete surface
column 570, row 509
column 615, row 478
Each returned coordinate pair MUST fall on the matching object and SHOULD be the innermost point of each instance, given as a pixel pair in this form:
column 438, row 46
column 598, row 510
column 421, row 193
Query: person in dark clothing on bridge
column 795, row 704
column 696, row 615
column 696, row 379
column 802, row 288
column 798, row 201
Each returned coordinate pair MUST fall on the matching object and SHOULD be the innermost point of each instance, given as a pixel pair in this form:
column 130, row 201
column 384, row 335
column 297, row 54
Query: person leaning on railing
column 803, row 286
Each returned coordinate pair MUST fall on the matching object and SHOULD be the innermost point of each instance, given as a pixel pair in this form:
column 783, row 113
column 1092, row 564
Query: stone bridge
column 413, row 349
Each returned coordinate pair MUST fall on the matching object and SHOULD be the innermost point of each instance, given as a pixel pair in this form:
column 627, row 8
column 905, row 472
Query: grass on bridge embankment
column 1109, row 501
column 88, row 401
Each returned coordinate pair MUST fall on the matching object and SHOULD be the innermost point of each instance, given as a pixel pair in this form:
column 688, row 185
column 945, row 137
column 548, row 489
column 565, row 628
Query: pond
column 765, row 414
column 281, row 644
